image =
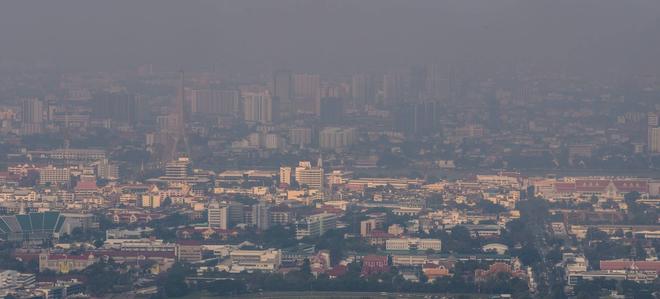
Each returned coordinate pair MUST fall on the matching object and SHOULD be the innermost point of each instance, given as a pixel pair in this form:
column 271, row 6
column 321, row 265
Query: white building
column 54, row 175
column 285, row 175
column 311, row 176
column 337, row 138
column 316, row 225
column 408, row 244
column 262, row 260
column 217, row 215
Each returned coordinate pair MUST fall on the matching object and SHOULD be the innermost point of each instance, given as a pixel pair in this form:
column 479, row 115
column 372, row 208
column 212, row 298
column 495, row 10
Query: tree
column 174, row 282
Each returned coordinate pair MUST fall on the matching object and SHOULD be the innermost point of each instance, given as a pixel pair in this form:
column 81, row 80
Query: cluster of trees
column 639, row 213
column 352, row 281
column 593, row 289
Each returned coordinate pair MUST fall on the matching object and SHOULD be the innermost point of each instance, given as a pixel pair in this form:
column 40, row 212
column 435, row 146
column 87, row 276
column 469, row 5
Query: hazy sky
column 317, row 35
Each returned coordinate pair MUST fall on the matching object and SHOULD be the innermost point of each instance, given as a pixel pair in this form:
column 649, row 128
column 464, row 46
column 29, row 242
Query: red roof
column 630, row 186
column 627, row 264
column 565, row 187
column 380, row 234
column 591, row 185
column 86, row 185
column 84, row 256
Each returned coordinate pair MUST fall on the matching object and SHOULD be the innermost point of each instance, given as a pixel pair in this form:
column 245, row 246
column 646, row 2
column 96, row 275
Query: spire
column 179, row 137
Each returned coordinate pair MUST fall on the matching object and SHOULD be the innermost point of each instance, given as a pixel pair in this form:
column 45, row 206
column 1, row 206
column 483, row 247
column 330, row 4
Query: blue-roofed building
column 38, row 227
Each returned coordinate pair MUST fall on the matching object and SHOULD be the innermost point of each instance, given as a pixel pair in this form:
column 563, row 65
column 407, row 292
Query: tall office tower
column 285, row 175
column 654, row 140
column 493, row 113
column 179, row 168
column 363, row 90
column 259, row 107
column 260, row 216
column 223, row 102
column 307, row 86
column 116, row 106
column 283, row 89
column 417, row 118
column 32, row 116
column 394, row 87
column 235, row 213
column 217, row 215
column 332, row 110
column 310, row 176
column 307, row 91
column 417, row 88
column 436, row 85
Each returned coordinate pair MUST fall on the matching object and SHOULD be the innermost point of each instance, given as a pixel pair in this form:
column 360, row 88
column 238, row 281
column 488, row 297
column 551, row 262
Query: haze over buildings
column 330, row 148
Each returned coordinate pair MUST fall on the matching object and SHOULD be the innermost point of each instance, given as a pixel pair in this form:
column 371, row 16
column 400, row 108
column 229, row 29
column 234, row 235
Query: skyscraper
column 417, row 118
column 32, row 115
column 307, row 86
column 119, row 107
column 363, row 90
column 259, row 107
column 283, row 89
column 393, row 87
column 332, row 110
column 418, row 78
column 307, row 91
column 223, row 102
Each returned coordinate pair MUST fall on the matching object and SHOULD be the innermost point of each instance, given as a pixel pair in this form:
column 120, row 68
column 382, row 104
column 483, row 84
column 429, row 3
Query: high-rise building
column 316, row 225
column 283, row 89
column 223, row 102
column 393, row 87
column 337, row 138
column 300, row 136
column 106, row 170
column 217, row 215
column 307, row 91
column 119, row 107
column 654, row 140
column 332, row 110
column 417, row 118
column 307, row 86
column 285, row 175
column 260, row 107
column 418, row 79
column 32, row 116
column 260, row 216
column 652, row 119
column 235, row 213
column 310, row 176
column 363, row 90
column 436, row 84
column 32, row 110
